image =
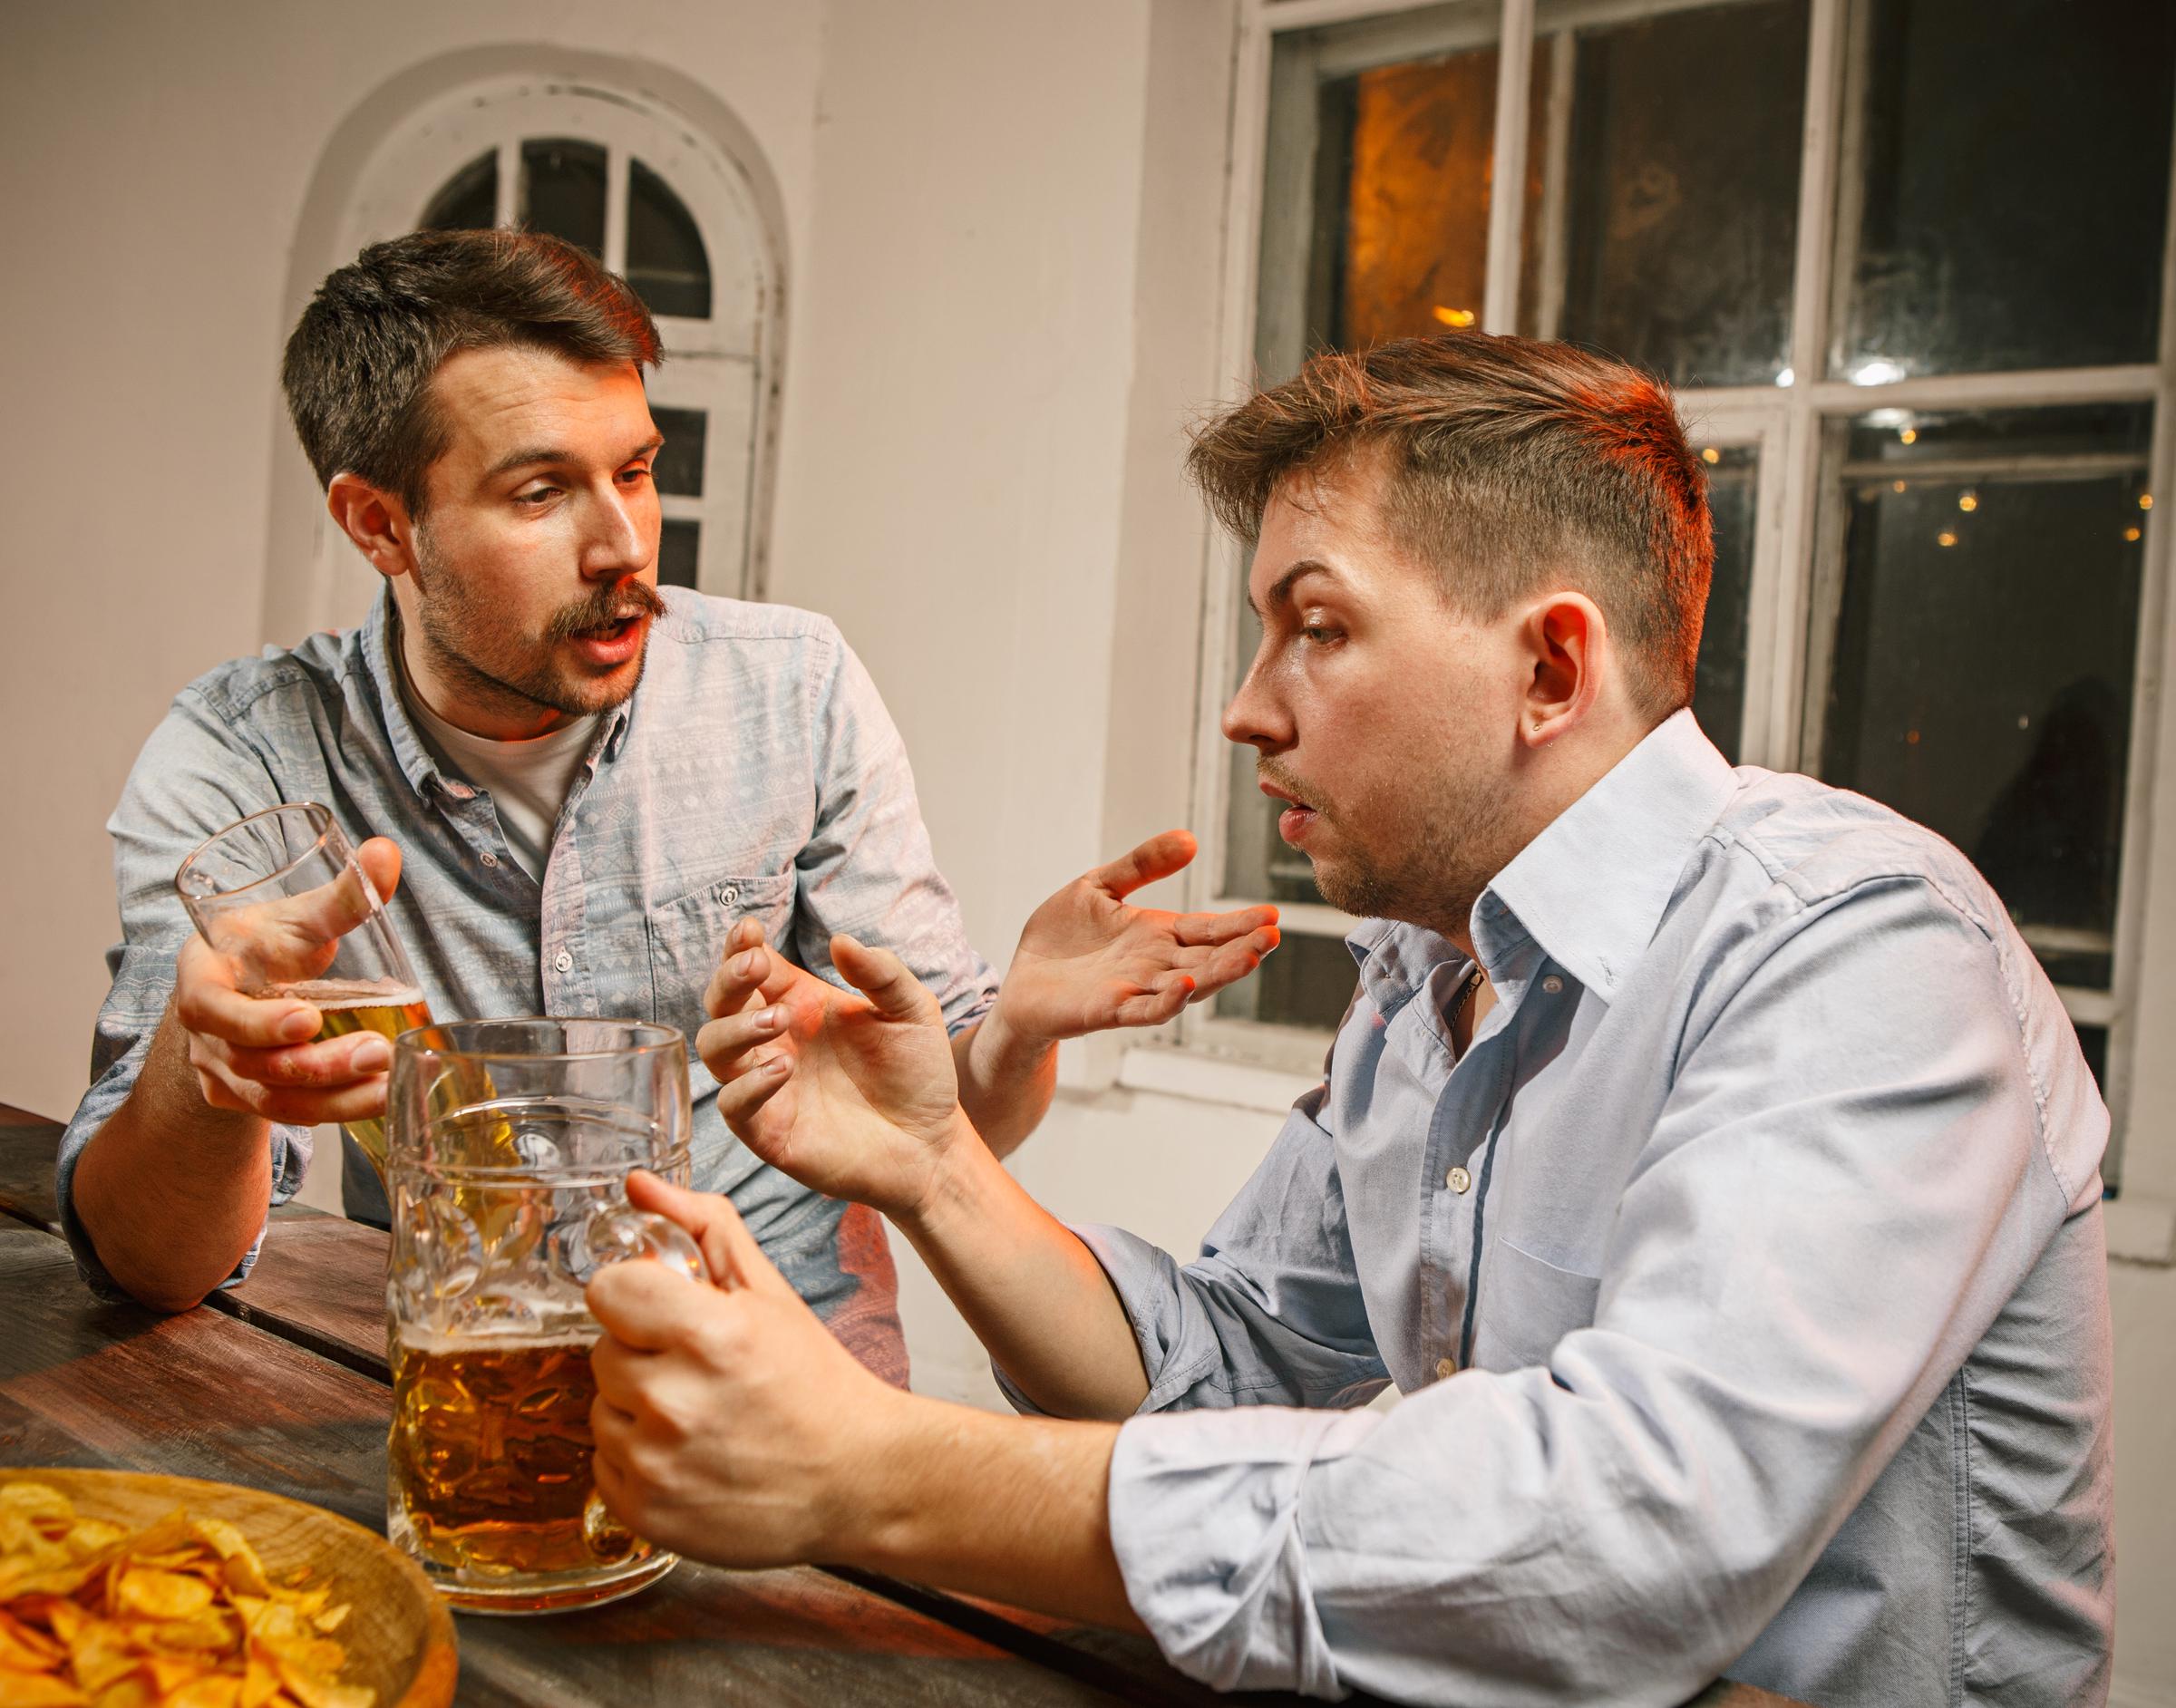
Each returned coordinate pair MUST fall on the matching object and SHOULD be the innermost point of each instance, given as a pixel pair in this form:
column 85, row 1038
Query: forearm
column 1013, row 1509
column 1005, row 1082
column 1030, row 1290
column 171, row 1190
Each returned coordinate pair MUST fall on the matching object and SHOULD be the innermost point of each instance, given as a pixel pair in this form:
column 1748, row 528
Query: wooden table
column 281, row 1385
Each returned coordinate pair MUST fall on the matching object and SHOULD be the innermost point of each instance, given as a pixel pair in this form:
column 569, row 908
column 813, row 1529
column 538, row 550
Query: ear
column 376, row 521
column 1567, row 641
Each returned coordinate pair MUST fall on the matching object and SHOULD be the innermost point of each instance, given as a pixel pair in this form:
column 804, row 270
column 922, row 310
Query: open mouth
column 1297, row 817
column 611, row 643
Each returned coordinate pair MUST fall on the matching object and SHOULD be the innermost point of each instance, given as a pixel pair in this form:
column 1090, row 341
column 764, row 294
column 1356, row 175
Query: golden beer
column 348, row 1007
column 490, row 1457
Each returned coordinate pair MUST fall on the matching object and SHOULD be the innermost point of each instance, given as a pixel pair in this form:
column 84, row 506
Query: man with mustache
column 572, row 785
column 1703, row 1157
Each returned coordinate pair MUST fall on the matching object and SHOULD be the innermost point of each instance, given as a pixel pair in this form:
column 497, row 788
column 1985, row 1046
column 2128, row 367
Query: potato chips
column 177, row 1614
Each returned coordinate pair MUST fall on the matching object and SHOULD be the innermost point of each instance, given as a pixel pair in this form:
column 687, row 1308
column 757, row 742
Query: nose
column 622, row 538
column 1255, row 715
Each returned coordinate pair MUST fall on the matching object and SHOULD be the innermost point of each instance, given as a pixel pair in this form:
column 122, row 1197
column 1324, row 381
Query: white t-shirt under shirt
column 528, row 780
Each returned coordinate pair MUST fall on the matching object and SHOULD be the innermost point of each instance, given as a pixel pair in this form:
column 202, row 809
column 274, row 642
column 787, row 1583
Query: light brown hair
column 1513, row 466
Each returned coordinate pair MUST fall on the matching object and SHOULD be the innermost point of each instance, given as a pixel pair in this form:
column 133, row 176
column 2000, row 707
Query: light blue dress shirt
column 755, row 771
column 1744, row 1281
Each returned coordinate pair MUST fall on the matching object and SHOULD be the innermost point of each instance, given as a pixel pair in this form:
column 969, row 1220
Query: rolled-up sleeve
column 1848, row 1179
column 191, row 781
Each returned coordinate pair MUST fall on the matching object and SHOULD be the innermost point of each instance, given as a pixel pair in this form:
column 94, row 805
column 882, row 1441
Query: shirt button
column 1458, row 1180
column 564, row 961
column 490, row 859
column 1553, row 984
column 1446, row 1366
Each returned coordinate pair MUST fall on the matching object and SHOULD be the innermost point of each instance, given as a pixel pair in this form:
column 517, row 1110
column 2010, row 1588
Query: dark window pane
column 2094, row 1041
column 677, row 554
column 667, row 263
column 1682, row 190
column 469, row 200
column 1307, row 982
column 563, row 190
column 2014, row 187
column 1985, row 634
column 1734, row 475
column 678, row 469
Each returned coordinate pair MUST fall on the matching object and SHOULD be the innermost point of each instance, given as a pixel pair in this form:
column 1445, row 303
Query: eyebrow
column 1281, row 589
column 530, row 454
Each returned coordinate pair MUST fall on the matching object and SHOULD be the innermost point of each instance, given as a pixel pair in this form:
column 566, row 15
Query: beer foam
column 343, row 994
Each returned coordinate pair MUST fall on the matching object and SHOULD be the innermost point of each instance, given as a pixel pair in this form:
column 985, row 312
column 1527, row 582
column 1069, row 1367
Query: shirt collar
column 1592, row 888
column 381, row 635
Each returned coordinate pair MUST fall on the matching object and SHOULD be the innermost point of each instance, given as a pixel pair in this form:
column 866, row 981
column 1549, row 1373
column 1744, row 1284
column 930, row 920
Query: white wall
column 1002, row 226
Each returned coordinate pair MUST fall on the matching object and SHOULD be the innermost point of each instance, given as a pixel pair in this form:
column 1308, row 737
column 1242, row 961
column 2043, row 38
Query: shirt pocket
column 687, row 937
column 1527, row 1306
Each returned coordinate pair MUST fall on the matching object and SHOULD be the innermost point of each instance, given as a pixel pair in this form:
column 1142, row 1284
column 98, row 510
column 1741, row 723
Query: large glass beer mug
column 511, row 1141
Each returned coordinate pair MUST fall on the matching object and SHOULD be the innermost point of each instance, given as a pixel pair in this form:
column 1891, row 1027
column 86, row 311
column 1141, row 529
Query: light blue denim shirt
column 754, row 771
column 1744, row 1281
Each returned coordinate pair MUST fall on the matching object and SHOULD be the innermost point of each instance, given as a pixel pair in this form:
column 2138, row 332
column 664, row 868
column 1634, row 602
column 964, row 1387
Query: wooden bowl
column 398, row 1633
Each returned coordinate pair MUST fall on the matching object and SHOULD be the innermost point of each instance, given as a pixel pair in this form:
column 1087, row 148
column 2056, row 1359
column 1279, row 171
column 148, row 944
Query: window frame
column 1798, row 541
column 726, row 366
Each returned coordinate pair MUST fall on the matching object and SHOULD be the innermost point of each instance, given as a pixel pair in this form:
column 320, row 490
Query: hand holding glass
column 281, row 897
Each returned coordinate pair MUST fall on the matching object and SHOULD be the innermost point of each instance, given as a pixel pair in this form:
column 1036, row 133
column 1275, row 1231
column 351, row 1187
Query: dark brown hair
column 360, row 361
column 1513, row 466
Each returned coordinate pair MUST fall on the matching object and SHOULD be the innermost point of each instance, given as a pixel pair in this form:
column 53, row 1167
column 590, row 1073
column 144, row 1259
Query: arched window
column 629, row 182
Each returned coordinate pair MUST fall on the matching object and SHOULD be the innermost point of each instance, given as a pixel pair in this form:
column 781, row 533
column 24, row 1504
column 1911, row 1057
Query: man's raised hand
column 1088, row 961
column 852, row 1092
column 255, row 1054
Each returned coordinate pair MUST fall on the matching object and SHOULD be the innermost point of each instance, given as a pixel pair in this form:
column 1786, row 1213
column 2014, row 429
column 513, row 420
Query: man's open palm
column 1088, row 961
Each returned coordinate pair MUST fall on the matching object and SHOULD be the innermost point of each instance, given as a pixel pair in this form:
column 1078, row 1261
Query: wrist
column 951, row 1181
column 1000, row 1051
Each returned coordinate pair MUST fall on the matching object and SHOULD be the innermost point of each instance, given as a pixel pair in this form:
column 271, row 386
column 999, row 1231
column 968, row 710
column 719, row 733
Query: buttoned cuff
column 1204, row 1509
column 291, row 1152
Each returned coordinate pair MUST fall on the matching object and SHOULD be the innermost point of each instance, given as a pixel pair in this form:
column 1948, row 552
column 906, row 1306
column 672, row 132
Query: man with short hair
column 580, row 783
column 1704, row 1158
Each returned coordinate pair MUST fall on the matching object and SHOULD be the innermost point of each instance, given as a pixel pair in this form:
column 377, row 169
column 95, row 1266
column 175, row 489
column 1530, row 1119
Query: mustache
column 608, row 605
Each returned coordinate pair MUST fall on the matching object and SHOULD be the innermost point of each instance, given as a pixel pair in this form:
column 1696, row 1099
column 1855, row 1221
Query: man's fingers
column 1159, row 856
column 882, row 978
column 646, row 1305
column 1216, row 968
column 1201, row 930
column 1154, row 1007
column 749, row 969
column 729, row 1250
column 741, row 1098
column 293, row 1107
column 724, row 1045
column 207, row 1003
column 380, row 858
column 331, row 1065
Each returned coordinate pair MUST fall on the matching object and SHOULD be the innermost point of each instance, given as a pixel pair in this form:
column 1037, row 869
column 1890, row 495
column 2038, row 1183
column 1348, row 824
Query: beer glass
column 281, row 897
column 511, row 1144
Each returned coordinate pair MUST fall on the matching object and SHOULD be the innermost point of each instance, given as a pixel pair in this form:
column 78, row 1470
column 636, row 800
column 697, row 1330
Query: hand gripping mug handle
column 617, row 1236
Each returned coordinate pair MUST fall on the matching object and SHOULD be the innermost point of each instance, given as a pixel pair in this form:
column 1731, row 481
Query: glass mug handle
column 617, row 1236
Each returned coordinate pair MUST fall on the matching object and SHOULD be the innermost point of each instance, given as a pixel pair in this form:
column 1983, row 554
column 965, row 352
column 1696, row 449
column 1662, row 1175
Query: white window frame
column 1786, row 421
column 726, row 366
